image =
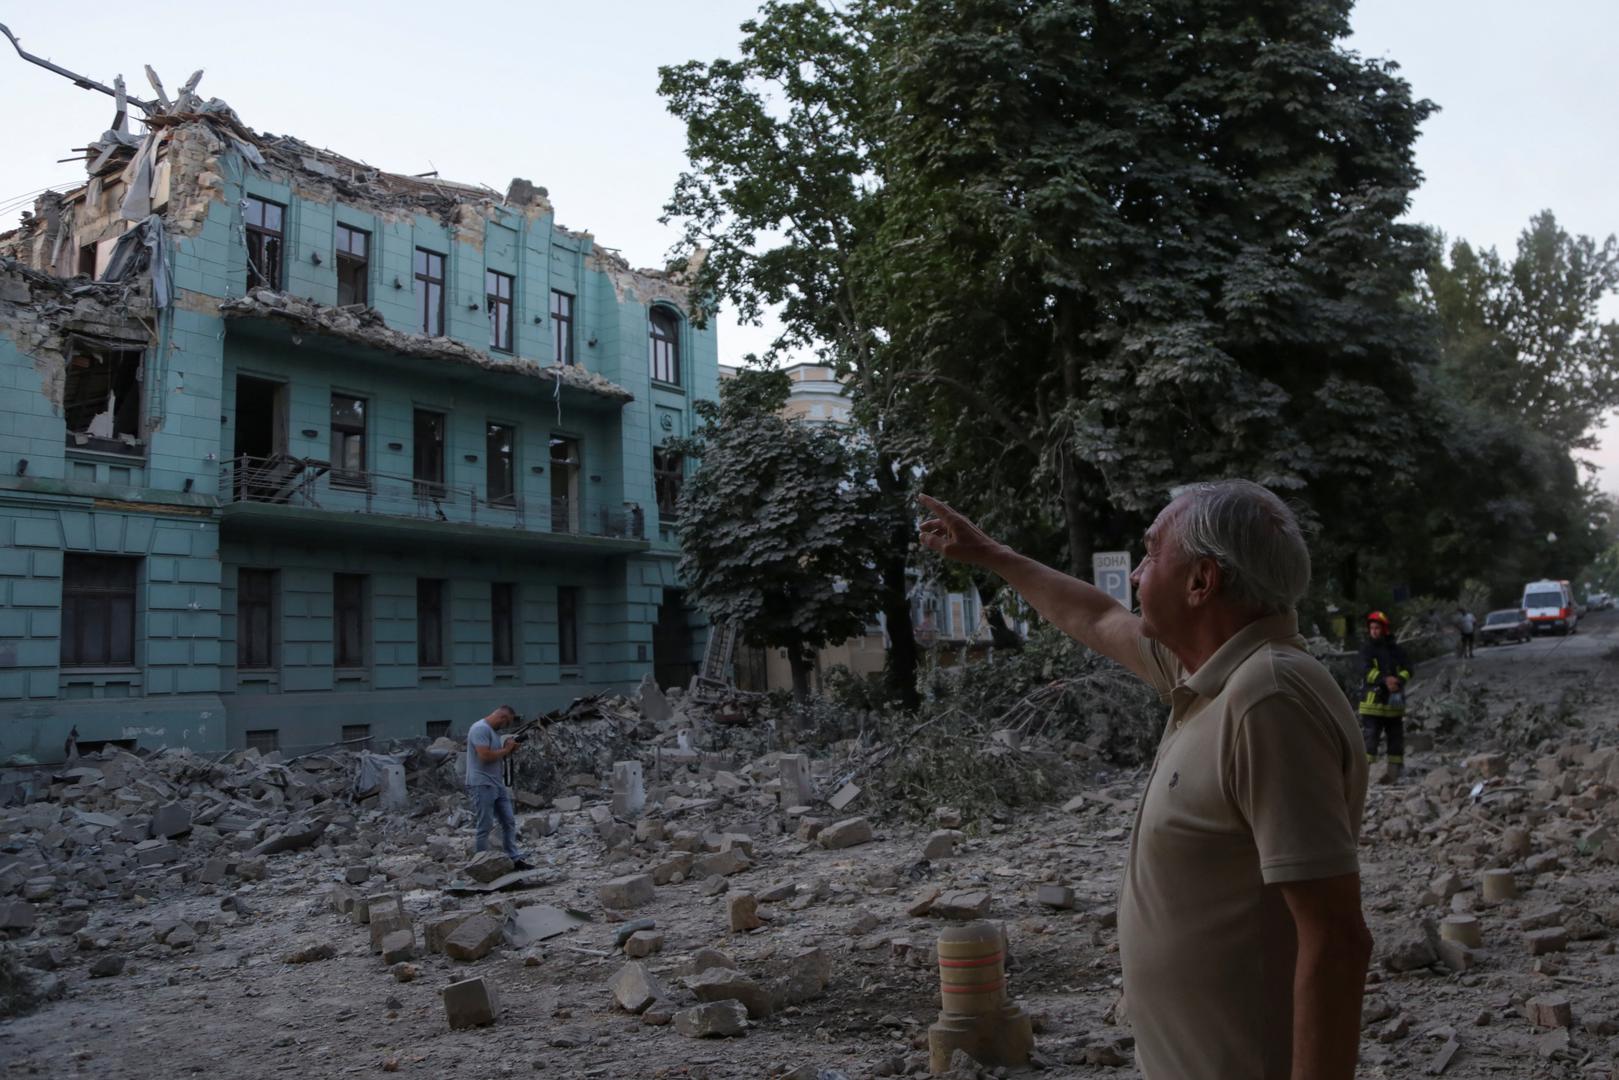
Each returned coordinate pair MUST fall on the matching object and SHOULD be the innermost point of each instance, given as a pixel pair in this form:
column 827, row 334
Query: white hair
column 1253, row 537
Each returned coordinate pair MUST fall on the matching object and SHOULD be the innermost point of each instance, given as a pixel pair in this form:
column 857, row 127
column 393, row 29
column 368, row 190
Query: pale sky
column 565, row 94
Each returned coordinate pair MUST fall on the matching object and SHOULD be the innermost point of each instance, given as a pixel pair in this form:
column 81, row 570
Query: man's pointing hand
column 954, row 537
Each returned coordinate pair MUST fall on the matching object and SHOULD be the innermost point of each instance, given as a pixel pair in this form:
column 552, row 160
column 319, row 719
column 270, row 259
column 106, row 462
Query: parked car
column 1550, row 606
column 1508, row 624
column 1599, row 601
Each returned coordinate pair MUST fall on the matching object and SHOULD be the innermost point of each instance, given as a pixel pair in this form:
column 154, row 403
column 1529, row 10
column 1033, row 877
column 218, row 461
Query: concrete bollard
column 1499, row 885
column 975, row 1015
column 1462, row 929
column 629, row 790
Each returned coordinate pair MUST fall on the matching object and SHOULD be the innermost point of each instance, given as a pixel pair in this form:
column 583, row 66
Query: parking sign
column 1111, row 570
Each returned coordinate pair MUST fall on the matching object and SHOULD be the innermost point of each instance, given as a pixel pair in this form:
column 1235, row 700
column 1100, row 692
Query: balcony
column 308, row 495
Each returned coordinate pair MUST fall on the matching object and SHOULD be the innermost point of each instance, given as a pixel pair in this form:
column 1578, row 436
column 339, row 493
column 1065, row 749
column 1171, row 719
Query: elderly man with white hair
column 1240, row 926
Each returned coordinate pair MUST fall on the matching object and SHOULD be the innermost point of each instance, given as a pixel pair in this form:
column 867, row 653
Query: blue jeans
column 490, row 803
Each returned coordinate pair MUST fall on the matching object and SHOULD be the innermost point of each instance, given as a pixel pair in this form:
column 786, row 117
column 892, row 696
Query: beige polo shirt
column 1260, row 778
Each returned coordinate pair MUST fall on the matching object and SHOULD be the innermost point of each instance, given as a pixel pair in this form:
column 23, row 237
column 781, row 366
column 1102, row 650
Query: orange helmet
column 1378, row 617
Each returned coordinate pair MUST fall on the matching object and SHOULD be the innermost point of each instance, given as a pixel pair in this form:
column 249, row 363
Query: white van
column 1550, row 606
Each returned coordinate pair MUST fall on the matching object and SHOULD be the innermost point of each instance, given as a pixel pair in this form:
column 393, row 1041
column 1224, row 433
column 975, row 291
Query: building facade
column 295, row 451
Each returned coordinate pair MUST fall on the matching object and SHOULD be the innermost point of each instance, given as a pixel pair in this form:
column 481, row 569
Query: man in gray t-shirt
column 486, row 750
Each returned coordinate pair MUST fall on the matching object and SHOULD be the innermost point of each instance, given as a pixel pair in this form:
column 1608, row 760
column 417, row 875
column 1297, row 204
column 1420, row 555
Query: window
column 438, row 729
column 98, row 611
column 430, row 292
column 665, row 346
column 101, row 398
column 263, row 222
column 502, row 595
column 567, row 625
column 429, row 454
column 564, row 485
column 497, row 289
column 265, row 740
column 348, row 441
column 353, row 265
column 348, row 620
column 429, row 622
column 357, row 735
column 255, row 618
column 87, row 260
column 562, row 327
column 668, row 470
column 500, row 464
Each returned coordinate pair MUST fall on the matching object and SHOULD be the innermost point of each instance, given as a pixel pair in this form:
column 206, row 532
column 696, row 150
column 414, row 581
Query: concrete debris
column 635, row 987
column 623, row 893
column 475, row 938
column 845, row 834
column 713, row 1019
column 469, row 1003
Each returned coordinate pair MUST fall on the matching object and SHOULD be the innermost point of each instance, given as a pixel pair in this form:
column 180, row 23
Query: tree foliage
column 779, row 526
column 781, row 194
column 1145, row 242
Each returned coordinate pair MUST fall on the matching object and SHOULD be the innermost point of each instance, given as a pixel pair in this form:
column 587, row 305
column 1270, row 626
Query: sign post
column 1111, row 572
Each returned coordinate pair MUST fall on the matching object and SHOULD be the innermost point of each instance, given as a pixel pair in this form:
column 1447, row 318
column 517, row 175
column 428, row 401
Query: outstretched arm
column 1077, row 608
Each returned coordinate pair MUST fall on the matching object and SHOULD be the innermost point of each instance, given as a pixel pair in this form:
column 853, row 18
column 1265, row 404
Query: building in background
column 952, row 622
column 297, row 451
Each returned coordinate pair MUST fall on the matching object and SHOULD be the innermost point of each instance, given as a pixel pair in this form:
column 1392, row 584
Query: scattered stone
column 437, row 930
column 942, row 844
column 486, row 866
column 743, row 909
column 845, row 834
column 947, row 817
column 1549, row 1011
column 706, row 958
column 643, row 943
column 567, row 803
column 1060, row 897
column 1412, row 951
column 475, row 938
column 676, row 866
column 809, row 829
column 634, row 987
column 961, row 905
column 1551, row 939
column 171, row 820
column 405, row 972
column 399, row 946
column 469, row 1003
column 715, row 1018
column 623, row 893
column 17, row 915
column 358, row 874
column 723, row 984
column 719, row 864
column 106, row 966
column 924, row 903
column 845, row 795
column 634, row 926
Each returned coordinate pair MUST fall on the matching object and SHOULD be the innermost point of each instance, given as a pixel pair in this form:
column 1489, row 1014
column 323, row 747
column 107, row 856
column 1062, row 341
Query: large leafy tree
column 1142, row 242
column 780, row 526
column 781, row 194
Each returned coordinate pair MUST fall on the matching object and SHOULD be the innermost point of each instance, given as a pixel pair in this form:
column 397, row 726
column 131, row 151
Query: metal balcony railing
column 313, row 484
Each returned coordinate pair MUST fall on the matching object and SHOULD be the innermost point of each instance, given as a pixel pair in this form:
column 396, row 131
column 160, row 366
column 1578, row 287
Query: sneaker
column 521, row 864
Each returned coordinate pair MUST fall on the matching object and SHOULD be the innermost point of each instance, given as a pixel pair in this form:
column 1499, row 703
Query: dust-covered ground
column 229, row 1003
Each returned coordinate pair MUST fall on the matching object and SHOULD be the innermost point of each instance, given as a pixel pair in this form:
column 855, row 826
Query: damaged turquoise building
column 294, row 451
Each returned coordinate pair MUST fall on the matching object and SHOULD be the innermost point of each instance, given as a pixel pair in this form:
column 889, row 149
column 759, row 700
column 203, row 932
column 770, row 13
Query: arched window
column 665, row 341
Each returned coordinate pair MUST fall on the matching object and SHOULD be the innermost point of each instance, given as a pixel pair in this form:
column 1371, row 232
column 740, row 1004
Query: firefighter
column 1384, row 673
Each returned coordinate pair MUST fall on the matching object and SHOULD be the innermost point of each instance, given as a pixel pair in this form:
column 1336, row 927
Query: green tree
column 1142, row 242
column 781, row 197
column 780, row 526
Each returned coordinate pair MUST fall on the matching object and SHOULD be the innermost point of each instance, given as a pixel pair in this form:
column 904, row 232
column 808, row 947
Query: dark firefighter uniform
column 1382, row 710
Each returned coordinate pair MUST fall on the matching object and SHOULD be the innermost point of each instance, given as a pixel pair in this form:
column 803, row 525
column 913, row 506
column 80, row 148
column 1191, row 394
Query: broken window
column 98, row 611
column 498, row 302
column 668, row 470
column 357, row 736
column 430, row 292
column 665, row 337
column 255, row 618
column 264, row 740
column 500, row 464
column 437, row 729
column 87, row 260
column 353, row 265
column 564, row 485
column 502, row 628
column 562, row 327
column 429, row 622
column 263, row 223
column 567, row 625
column 101, row 398
column 429, row 454
column 348, row 618
column 348, row 441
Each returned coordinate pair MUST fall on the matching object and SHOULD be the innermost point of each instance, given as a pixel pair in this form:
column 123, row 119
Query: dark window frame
column 357, row 734
column 568, row 604
column 562, row 327
column 353, row 269
column 265, row 740
column 423, row 264
column 668, row 474
column 125, row 379
column 350, row 650
column 430, row 614
column 430, row 457
column 342, row 475
column 663, row 340
column 503, row 624
column 99, row 599
column 436, row 729
column 255, row 645
column 266, row 245
column 500, row 306
column 500, row 465
column 566, row 471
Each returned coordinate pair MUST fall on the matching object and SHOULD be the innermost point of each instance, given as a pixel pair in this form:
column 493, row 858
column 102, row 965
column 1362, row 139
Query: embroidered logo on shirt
column 1174, row 778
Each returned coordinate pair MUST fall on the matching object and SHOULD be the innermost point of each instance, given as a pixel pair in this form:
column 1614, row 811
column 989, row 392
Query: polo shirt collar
column 1208, row 680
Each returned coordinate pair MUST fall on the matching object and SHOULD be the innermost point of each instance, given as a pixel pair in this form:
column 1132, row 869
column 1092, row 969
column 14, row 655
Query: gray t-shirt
column 1464, row 622
column 479, row 771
